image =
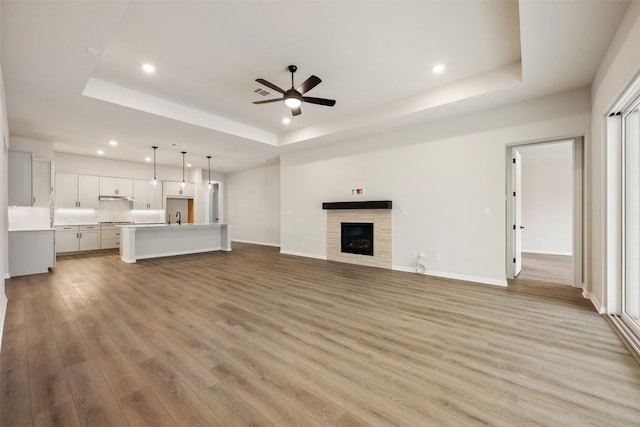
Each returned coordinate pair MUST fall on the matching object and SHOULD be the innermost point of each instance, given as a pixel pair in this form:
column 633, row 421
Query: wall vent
column 261, row 91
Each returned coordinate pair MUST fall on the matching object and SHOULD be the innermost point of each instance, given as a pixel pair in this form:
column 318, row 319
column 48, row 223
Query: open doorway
column 544, row 213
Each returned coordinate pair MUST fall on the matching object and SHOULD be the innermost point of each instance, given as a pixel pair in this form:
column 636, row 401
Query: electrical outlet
column 437, row 256
column 414, row 254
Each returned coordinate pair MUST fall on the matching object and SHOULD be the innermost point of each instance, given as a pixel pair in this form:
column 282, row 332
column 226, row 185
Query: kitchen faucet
column 179, row 217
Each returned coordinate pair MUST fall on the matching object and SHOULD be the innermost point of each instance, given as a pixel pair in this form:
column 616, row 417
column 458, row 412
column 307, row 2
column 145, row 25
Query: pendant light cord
column 154, row 161
column 183, row 153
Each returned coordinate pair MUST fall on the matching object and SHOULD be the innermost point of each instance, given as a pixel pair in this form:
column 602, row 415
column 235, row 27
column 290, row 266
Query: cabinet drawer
column 67, row 228
column 110, row 234
column 110, row 243
column 89, row 227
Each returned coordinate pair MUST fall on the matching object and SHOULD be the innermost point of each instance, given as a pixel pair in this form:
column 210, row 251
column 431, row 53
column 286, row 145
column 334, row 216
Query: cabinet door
column 41, row 183
column 66, row 241
column 141, row 193
column 87, row 191
column 108, row 186
column 174, row 189
column 155, row 199
column 20, row 184
column 89, row 240
column 189, row 190
column 124, row 187
column 66, row 190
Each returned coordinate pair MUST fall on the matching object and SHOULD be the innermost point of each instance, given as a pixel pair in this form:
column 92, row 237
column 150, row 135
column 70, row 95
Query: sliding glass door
column 631, row 286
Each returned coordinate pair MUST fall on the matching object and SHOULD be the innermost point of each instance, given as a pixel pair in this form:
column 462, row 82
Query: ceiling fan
column 294, row 97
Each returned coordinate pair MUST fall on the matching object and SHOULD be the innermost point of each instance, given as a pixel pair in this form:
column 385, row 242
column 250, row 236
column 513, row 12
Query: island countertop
column 141, row 241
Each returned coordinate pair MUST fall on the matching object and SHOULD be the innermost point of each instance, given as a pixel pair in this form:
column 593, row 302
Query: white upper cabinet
column 66, row 190
column 20, row 187
column 76, row 191
column 42, row 188
column 174, row 189
column 146, row 196
column 117, row 187
column 87, row 191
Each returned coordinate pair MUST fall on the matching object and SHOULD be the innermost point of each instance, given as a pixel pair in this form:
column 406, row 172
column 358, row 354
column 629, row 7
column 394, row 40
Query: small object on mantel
column 372, row 204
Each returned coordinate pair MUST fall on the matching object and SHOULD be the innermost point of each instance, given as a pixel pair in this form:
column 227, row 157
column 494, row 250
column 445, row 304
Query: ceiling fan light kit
column 293, row 97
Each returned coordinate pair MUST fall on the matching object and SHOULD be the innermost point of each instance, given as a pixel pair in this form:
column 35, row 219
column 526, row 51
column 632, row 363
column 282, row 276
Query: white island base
column 162, row 240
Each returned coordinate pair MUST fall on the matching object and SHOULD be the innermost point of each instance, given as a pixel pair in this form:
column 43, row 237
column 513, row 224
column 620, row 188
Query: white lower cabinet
column 74, row 238
column 109, row 237
column 89, row 239
column 31, row 252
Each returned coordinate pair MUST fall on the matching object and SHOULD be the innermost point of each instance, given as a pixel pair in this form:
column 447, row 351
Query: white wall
column 253, row 205
column 547, row 198
column 40, row 149
column 86, row 165
column 618, row 70
column 4, row 252
column 446, row 180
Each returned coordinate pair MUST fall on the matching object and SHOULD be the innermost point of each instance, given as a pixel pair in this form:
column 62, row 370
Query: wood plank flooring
column 547, row 268
column 255, row 338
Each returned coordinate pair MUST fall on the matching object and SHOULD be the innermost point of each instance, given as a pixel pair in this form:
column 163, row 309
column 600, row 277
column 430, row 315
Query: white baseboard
column 7, row 276
column 403, row 268
column 476, row 279
column 251, row 242
column 3, row 312
column 535, row 251
column 284, row 252
column 596, row 303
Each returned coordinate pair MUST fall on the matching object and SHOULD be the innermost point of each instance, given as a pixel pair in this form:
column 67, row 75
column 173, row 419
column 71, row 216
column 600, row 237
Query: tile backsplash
column 108, row 211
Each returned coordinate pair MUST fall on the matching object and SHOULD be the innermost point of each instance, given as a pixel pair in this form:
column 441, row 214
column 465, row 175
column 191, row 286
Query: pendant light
column 183, row 184
column 209, row 160
column 154, row 181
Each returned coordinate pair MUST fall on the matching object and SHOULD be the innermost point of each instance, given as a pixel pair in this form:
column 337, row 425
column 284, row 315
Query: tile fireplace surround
column 380, row 216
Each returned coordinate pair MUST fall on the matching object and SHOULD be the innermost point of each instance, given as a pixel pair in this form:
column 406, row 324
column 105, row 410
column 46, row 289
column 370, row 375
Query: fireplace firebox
column 357, row 238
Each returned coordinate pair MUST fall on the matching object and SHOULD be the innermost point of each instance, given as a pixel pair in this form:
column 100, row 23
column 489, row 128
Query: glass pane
column 632, row 215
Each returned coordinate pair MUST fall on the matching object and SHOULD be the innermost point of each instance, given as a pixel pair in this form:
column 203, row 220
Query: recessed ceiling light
column 100, row 152
column 264, row 160
column 188, row 165
column 286, row 120
column 438, row 68
column 113, row 142
column 148, row 68
column 147, row 159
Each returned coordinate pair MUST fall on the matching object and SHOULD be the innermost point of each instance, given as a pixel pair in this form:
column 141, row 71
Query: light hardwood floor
column 547, row 268
column 255, row 338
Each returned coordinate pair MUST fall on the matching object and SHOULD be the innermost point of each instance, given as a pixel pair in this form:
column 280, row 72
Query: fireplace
column 357, row 238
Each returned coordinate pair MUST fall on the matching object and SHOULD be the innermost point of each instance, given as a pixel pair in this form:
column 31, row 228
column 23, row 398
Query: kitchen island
column 162, row 240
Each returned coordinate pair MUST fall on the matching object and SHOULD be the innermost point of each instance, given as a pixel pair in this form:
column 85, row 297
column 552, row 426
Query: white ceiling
column 374, row 57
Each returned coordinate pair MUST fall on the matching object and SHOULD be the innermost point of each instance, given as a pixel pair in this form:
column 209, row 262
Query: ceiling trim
column 109, row 92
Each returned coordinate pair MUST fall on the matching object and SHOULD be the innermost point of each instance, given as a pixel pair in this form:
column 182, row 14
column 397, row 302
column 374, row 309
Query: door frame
column 577, row 143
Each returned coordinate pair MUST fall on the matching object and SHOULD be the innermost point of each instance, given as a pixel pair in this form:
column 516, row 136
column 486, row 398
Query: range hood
column 111, row 197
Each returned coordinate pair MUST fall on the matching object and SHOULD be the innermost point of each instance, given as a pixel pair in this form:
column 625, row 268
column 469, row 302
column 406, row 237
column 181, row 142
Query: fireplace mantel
column 372, row 204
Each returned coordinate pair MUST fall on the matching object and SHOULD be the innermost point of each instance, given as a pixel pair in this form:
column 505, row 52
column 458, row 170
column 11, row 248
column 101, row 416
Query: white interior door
column 517, row 212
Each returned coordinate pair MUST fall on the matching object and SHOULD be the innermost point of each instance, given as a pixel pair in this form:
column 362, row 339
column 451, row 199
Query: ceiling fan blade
column 296, row 111
column 267, row 101
column 319, row 101
column 309, row 84
column 270, row 85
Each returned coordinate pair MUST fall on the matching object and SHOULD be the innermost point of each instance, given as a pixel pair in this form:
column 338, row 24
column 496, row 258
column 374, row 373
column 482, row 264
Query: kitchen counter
column 142, row 241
